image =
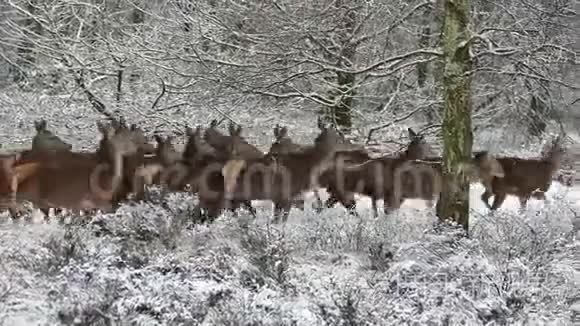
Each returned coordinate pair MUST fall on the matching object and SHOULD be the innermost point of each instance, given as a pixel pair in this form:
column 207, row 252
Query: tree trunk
column 342, row 111
column 457, row 135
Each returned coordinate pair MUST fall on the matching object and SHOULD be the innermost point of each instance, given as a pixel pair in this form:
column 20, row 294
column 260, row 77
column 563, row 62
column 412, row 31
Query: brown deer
column 423, row 178
column 283, row 144
column 196, row 148
column 524, row 178
column 198, row 160
column 8, row 184
column 74, row 180
column 222, row 143
column 278, row 179
column 45, row 140
column 154, row 168
column 373, row 178
column 135, row 134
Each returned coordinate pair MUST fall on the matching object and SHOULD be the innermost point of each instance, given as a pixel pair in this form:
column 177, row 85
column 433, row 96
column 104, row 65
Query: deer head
column 282, row 143
column 327, row 139
column 40, row 126
column 46, row 140
column 484, row 167
column 165, row 151
column 134, row 133
column 417, row 148
column 554, row 152
column 233, row 130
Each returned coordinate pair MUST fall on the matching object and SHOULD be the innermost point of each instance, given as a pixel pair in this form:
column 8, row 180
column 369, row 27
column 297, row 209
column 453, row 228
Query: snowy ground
column 322, row 269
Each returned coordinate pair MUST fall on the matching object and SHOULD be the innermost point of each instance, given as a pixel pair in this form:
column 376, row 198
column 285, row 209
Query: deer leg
column 391, row 203
column 298, row 202
column 331, row 201
column 485, row 198
column 523, row 203
column 348, row 201
column 281, row 211
column 15, row 213
column 250, row 208
column 375, row 208
column 498, row 200
column 318, row 203
column 46, row 212
column 539, row 194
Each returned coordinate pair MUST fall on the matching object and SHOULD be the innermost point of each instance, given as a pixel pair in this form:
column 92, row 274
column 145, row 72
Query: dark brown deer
column 222, row 143
column 196, row 148
column 373, row 178
column 135, row 134
column 197, row 160
column 154, row 168
column 278, row 179
column 283, row 145
column 215, row 138
column 524, row 178
column 74, row 180
column 423, row 178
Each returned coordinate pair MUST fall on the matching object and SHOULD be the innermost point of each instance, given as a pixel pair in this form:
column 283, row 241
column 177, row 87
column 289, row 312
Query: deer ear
column 283, row 132
column 122, row 122
column 40, row 125
column 101, row 127
column 107, row 131
column 320, row 124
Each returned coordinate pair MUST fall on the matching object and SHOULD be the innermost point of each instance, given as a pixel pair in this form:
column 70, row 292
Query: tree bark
column 457, row 135
column 345, row 80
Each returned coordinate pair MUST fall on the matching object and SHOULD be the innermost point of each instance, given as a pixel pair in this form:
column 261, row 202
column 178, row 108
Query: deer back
column 216, row 138
column 283, row 175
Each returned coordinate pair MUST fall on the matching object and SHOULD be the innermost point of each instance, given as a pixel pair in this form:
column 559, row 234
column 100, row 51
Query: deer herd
column 227, row 172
